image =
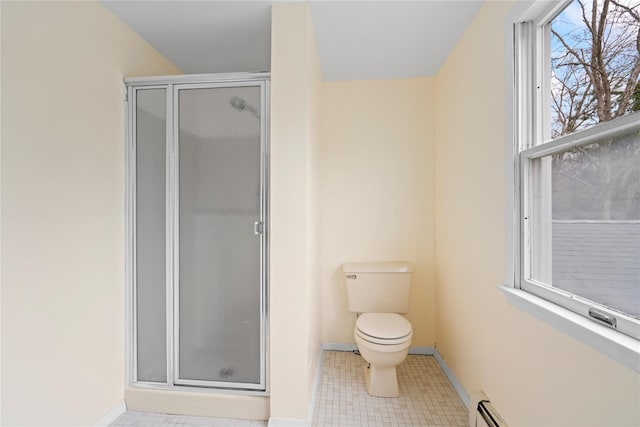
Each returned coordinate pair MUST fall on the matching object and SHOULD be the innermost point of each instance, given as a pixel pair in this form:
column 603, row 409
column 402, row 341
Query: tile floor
column 426, row 396
column 426, row 399
column 148, row 419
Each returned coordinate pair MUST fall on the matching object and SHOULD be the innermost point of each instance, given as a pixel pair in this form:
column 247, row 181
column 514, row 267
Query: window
column 578, row 159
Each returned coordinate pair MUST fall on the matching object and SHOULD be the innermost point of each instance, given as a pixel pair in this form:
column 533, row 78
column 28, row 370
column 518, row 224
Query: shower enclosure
column 196, row 216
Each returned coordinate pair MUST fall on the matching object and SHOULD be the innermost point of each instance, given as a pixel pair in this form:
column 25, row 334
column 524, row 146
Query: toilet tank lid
column 377, row 267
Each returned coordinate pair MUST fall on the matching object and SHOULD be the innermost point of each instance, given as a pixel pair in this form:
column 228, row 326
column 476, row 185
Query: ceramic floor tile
column 148, row 419
column 426, row 396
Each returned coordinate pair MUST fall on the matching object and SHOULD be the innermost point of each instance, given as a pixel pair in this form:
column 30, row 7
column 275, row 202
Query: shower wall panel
column 151, row 331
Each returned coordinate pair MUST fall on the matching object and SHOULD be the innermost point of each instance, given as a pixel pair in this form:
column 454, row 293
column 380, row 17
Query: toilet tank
column 378, row 287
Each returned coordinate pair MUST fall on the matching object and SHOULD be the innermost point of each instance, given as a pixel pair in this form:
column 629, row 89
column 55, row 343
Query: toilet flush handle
column 352, row 276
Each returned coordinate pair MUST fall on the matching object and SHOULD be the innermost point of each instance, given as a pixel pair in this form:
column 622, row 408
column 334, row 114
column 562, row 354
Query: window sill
column 615, row 345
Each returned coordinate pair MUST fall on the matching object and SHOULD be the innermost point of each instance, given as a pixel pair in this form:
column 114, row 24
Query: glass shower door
column 219, row 236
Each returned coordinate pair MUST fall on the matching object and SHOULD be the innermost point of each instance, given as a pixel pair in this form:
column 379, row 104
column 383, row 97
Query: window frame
column 532, row 77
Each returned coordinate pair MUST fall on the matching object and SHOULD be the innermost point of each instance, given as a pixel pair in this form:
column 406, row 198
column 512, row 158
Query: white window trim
column 619, row 347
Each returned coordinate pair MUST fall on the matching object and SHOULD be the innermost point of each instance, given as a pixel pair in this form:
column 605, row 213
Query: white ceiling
column 356, row 40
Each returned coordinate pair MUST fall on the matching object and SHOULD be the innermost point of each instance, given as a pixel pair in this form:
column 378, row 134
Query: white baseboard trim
column 113, row 413
column 287, row 422
column 338, row 346
column 426, row 351
column 464, row 396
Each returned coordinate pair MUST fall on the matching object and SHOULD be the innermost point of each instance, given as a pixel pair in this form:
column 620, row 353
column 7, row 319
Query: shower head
column 241, row 105
column 238, row 103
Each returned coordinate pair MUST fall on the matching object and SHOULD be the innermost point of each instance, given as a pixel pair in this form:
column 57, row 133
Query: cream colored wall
column 314, row 156
column 378, row 191
column 294, row 315
column 534, row 374
column 62, row 208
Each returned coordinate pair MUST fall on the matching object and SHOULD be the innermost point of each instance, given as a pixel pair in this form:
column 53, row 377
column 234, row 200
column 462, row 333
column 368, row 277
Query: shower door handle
column 258, row 228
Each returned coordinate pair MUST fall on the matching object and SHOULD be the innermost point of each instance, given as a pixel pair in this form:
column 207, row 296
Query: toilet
column 378, row 292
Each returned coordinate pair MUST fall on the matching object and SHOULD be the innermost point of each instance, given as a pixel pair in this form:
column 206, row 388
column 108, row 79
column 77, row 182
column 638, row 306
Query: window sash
column 605, row 130
column 532, row 71
column 621, row 126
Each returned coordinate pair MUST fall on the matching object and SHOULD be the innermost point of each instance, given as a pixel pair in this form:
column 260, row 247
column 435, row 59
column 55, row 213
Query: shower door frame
column 172, row 86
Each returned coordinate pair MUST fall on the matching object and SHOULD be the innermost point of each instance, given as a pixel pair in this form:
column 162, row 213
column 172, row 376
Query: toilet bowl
column 383, row 340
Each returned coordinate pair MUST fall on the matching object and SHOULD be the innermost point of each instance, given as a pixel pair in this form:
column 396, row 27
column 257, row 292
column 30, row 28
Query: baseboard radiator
column 487, row 416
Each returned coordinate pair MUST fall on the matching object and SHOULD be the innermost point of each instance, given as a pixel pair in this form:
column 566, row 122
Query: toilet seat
column 383, row 328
